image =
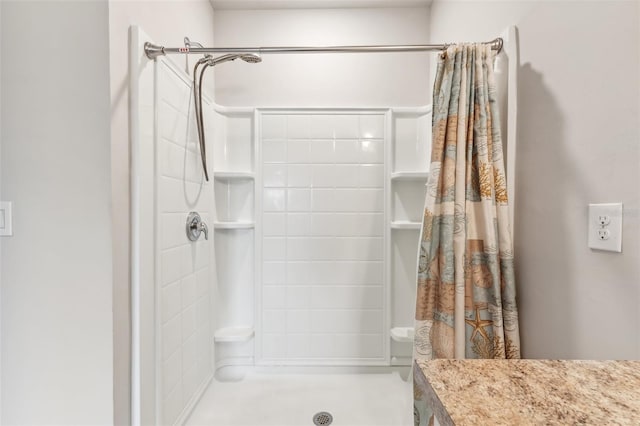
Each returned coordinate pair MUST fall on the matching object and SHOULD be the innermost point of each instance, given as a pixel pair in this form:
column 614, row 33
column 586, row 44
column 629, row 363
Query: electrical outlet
column 605, row 227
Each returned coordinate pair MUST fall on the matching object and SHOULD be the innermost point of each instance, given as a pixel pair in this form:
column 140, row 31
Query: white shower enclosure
column 314, row 217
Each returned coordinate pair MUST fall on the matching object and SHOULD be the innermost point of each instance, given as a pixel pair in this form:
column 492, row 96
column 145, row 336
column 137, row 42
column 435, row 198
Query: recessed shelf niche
column 409, row 160
column 233, row 335
column 412, row 141
column 407, row 200
column 233, row 225
column 234, row 240
column 404, row 224
column 233, row 149
column 236, row 175
column 234, row 200
column 410, row 175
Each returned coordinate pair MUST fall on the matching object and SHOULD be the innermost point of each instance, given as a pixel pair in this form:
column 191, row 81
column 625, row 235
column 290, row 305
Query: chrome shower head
column 251, row 58
column 205, row 62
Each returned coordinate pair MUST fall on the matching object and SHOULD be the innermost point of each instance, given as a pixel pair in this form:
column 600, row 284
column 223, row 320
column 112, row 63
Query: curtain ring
column 443, row 54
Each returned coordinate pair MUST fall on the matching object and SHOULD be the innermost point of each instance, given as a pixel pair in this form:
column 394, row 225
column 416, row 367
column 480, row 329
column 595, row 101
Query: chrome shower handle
column 204, row 228
column 195, row 227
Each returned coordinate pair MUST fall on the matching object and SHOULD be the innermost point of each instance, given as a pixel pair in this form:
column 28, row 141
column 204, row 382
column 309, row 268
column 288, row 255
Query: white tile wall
column 323, row 237
column 183, row 282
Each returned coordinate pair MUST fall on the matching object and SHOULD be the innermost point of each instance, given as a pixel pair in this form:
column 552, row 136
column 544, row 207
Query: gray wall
column 332, row 80
column 578, row 143
column 57, row 361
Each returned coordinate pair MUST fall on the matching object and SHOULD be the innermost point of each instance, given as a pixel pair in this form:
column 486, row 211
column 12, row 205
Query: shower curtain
column 465, row 305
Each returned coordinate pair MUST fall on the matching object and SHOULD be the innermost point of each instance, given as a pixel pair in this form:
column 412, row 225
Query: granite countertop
column 531, row 392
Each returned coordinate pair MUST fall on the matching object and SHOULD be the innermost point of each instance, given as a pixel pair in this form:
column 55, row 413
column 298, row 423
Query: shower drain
column 322, row 419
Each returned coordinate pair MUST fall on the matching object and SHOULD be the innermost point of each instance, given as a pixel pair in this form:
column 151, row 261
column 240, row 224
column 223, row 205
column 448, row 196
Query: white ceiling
column 314, row 4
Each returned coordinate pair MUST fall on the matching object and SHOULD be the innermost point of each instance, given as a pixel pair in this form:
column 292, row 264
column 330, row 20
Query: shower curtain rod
column 153, row 50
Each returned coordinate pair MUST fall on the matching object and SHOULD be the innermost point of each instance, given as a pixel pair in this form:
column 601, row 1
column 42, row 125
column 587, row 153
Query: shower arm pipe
column 153, row 50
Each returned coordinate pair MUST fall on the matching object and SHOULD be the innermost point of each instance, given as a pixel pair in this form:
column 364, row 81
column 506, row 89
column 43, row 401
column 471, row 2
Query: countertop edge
column 431, row 397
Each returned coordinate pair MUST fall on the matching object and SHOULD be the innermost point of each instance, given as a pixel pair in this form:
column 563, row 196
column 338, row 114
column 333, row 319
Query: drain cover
column 322, row 419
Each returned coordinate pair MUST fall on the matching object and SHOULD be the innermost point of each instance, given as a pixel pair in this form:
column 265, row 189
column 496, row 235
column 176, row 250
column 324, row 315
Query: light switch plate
column 6, row 228
column 605, row 227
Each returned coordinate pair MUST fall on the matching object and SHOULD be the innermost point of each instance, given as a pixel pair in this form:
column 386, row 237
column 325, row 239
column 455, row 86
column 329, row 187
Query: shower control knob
column 195, row 227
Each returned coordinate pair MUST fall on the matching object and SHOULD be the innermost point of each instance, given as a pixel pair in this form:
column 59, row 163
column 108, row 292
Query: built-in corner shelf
column 404, row 224
column 233, row 335
column 234, row 225
column 413, row 175
column 234, row 175
column 402, row 334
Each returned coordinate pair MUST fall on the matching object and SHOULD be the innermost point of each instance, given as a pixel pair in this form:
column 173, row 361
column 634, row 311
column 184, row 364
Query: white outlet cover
column 6, row 228
column 614, row 212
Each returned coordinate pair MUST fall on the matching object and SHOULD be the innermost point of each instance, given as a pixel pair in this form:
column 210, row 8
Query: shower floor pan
column 283, row 399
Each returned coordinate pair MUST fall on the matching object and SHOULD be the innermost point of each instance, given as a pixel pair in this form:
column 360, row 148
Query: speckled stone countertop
column 531, row 392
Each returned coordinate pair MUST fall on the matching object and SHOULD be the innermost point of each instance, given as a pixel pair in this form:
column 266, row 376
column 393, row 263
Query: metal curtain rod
column 154, row 50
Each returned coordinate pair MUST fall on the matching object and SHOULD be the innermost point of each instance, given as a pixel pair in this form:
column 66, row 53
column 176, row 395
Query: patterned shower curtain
column 466, row 306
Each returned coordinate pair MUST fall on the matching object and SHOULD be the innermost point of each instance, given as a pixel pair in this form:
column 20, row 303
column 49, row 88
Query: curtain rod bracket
column 497, row 45
column 153, row 50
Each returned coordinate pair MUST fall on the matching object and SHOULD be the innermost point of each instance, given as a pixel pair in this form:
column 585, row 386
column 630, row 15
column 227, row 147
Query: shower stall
column 302, row 289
